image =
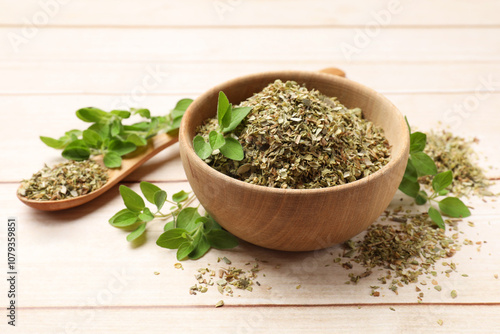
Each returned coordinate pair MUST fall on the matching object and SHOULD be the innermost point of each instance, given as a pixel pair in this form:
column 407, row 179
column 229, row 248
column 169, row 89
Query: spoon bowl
column 115, row 175
column 296, row 219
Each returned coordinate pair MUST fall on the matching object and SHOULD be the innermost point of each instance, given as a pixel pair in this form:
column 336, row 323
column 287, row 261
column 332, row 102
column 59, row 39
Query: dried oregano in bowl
column 298, row 138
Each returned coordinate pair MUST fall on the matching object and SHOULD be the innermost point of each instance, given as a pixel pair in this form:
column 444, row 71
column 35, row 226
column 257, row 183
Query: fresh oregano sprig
column 107, row 135
column 137, row 214
column 228, row 118
column 193, row 235
column 189, row 232
column 420, row 164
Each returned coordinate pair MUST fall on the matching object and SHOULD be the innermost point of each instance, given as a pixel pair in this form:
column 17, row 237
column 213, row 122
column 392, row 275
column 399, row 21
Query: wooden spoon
column 155, row 145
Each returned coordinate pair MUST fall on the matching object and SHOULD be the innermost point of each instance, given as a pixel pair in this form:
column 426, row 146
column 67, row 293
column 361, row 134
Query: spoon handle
column 333, row 71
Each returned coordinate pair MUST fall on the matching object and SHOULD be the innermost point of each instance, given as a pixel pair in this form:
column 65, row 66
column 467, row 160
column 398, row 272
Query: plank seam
column 256, row 27
column 123, row 307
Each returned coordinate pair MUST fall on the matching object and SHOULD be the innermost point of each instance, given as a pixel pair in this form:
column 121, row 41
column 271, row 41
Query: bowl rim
column 186, row 146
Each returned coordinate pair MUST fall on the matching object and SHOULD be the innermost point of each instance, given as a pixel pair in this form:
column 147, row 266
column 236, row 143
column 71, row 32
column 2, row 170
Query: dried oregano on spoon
column 65, row 180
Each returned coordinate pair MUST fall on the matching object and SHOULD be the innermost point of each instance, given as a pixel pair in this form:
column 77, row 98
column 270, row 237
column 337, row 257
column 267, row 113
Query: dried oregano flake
column 299, row 138
column 65, row 180
column 455, row 153
column 226, row 278
column 401, row 251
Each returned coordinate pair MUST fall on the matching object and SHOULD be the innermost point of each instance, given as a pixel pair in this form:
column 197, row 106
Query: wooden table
column 438, row 61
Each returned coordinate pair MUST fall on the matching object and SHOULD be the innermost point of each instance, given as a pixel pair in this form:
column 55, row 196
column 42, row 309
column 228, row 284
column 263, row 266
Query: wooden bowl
column 296, row 219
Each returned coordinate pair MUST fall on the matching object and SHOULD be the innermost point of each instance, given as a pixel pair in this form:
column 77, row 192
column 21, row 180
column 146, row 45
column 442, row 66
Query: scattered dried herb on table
column 65, row 180
column 455, row 153
column 299, row 138
column 404, row 251
column 226, row 279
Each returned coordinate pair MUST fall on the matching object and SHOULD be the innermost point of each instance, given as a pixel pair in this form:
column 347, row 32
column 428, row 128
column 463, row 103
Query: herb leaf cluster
column 193, row 235
column 228, row 118
column 107, row 135
column 136, row 214
column 189, row 232
column 419, row 165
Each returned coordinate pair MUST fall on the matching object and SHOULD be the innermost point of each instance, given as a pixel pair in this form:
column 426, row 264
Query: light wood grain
column 255, row 13
column 350, row 319
column 113, row 45
column 428, row 58
column 184, row 78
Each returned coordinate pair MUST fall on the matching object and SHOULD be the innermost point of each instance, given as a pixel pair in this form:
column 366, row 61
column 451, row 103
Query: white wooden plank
column 251, row 13
column 352, row 319
column 294, row 44
column 194, row 78
column 88, row 262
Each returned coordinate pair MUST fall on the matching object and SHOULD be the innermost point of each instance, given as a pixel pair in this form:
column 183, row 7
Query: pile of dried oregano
column 299, row 138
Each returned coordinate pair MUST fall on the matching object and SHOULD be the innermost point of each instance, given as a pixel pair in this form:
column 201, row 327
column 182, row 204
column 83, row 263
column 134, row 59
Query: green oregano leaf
column 142, row 112
column 184, row 250
column 211, row 224
column 116, row 128
column 169, row 226
column 149, row 190
column 409, row 187
column 124, row 218
column 76, row 150
column 201, row 147
column 137, row 232
column 121, row 147
column 123, row 114
column 232, row 149
column 201, row 247
column 454, row 207
column 222, row 107
column 91, row 138
column 421, row 197
column 442, row 180
column 92, row 115
column 146, row 215
column 131, row 199
column 136, row 140
column 172, row 239
column 216, row 140
column 411, row 172
column 221, row 239
column 72, row 134
column 423, row 164
column 237, row 115
column 443, row 192
column 436, row 217
column 226, row 120
column 112, row 160
column 54, row 143
column 180, row 196
column 181, row 107
column 102, row 129
column 159, row 199
column 187, row 218
column 417, row 142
